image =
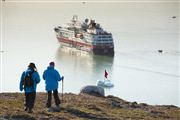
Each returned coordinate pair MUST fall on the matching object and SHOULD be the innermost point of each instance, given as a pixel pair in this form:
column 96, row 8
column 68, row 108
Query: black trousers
column 30, row 99
column 56, row 98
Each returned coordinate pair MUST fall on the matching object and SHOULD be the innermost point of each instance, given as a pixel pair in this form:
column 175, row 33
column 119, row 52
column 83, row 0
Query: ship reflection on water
column 81, row 68
column 75, row 57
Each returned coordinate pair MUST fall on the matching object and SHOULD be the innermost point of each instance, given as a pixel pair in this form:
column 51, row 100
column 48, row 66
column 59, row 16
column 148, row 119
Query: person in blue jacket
column 52, row 77
column 30, row 91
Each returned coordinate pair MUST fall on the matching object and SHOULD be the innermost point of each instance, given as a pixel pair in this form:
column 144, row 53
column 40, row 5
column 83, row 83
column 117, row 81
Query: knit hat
column 51, row 64
column 31, row 65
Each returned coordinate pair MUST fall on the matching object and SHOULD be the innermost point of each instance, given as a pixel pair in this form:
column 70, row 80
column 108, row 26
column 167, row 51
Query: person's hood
column 50, row 67
column 29, row 70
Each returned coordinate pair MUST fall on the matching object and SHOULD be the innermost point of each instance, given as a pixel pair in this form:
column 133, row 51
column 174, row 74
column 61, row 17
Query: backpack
column 28, row 81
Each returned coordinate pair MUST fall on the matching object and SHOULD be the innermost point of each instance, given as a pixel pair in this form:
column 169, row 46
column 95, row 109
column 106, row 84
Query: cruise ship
column 86, row 36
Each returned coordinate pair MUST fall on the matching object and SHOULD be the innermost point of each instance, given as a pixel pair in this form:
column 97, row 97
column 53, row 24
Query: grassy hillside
column 82, row 107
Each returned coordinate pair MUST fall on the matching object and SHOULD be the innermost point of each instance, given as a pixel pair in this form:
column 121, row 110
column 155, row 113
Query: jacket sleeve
column 44, row 75
column 21, row 81
column 58, row 76
column 37, row 77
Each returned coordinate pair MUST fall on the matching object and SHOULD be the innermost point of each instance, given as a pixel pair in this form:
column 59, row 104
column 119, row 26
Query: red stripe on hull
column 98, row 50
column 77, row 43
column 74, row 43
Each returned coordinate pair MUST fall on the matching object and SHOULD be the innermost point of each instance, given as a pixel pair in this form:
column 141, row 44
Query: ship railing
column 103, row 33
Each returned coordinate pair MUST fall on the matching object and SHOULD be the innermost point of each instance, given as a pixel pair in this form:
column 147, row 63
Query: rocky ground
column 83, row 107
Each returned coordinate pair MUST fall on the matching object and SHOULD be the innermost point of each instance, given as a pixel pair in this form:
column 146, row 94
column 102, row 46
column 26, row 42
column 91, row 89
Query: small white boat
column 105, row 83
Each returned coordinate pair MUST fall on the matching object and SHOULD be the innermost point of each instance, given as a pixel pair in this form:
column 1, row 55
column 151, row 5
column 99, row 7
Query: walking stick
column 62, row 87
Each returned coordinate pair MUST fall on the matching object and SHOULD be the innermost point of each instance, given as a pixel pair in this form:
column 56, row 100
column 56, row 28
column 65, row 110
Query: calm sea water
column 139, row 29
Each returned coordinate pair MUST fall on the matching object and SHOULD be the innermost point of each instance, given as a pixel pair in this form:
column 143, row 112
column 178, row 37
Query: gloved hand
column 62, row 78
column 21, row 88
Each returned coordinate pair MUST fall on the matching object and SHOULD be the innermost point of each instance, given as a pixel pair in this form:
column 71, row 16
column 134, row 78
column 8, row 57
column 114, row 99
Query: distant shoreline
column 84, row 106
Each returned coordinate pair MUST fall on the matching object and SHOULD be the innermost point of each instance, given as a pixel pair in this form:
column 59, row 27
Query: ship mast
column 75, row 18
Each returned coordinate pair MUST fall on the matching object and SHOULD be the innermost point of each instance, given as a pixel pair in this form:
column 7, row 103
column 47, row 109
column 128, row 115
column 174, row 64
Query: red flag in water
column 105, row 74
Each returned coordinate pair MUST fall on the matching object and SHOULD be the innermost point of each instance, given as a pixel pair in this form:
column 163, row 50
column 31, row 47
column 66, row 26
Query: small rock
column 115, row 104
column 134, row 105
column 143, row 104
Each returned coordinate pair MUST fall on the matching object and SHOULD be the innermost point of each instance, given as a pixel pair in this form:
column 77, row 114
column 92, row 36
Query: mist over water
column 137, row 70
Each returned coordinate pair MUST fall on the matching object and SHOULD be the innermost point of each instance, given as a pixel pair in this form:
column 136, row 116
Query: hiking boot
column 30, row 111
column 57, row 108
column 50, row 109
column 25, row 109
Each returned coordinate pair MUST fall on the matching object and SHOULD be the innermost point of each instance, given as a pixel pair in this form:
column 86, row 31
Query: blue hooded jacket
column 51, row 77
column 36, row 80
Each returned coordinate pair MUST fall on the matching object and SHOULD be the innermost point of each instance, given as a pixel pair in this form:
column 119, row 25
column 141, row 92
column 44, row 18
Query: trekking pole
column 62, row 87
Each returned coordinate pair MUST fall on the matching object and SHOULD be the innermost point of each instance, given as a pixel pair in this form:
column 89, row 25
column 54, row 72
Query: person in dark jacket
column 52, row 77
column 30, row 91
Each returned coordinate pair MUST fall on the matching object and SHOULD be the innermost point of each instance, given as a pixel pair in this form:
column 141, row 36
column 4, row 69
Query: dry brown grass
column 83, row 107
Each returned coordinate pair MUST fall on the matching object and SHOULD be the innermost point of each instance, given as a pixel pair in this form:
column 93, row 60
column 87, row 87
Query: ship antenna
column 75, row 18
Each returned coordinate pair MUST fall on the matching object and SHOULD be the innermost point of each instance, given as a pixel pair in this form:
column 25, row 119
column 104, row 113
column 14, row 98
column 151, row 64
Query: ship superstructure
column 85, row 36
